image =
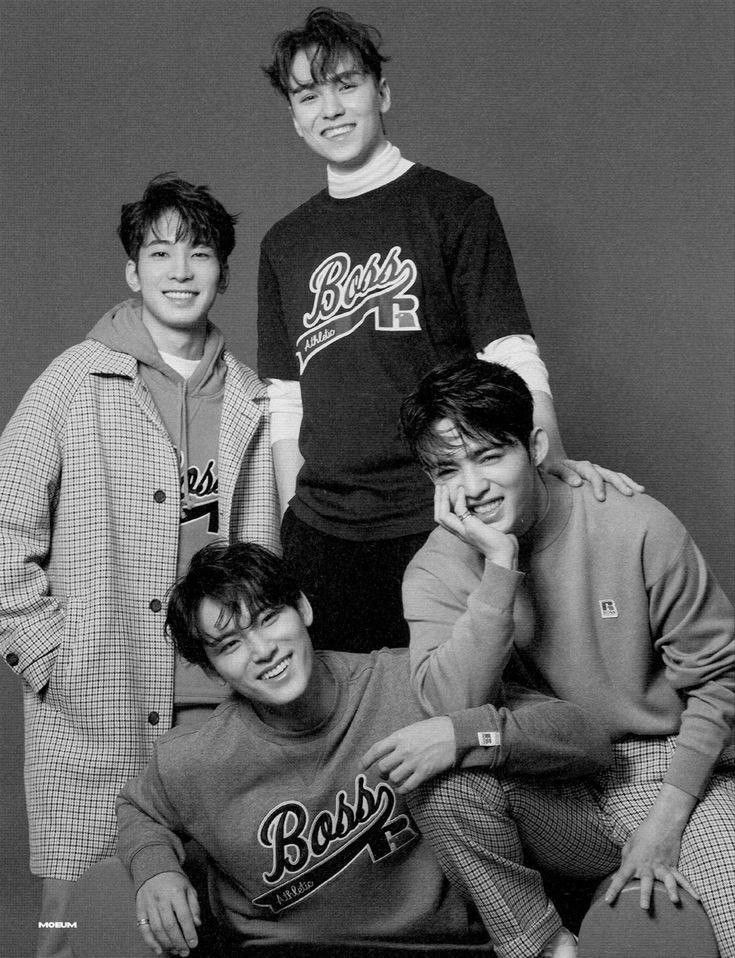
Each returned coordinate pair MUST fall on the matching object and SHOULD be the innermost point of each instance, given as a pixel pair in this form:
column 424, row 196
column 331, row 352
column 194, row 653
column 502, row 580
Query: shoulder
column 628, row 514
column 58, row 384
column 638, row 525
column 443, row 184
column 376, row 680
column 294, row 221
column 185, row 752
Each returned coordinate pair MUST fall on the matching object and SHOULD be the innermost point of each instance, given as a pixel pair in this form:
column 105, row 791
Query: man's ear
column 131, row 276
column 538, row 445
column 296, row 125
column 224, row 278
column 305, row 610
column 384, row 94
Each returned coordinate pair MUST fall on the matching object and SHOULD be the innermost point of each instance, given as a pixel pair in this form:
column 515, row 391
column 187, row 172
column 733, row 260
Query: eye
column 159, row 252
column 490, row 456
column 203, row 254
column 269, row 616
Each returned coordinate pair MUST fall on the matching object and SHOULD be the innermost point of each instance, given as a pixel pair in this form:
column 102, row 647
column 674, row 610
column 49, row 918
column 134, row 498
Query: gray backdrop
column 603, row 129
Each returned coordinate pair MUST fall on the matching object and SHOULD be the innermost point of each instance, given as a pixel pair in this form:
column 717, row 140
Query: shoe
column 562, row 945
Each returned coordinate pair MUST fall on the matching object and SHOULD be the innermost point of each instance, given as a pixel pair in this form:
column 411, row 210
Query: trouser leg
column 354, row 586
column 707, row 855
column 55, row 896
column 481, row 826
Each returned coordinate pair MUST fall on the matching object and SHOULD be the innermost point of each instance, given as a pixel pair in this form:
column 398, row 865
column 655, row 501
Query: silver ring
column 465, row 515
column 142, row 921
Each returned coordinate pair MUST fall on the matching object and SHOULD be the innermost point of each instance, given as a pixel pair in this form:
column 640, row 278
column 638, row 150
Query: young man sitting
column 281, row 785
column 609, row 605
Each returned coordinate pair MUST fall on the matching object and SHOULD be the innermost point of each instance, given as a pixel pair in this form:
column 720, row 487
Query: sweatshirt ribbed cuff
column 468, row 723
column 152, row 860
column 690, row 770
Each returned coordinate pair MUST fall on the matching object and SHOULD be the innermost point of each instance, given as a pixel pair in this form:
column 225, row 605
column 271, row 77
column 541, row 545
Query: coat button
column 154, row 718
column 12, row 659
column 155, row 605
column 159, row 496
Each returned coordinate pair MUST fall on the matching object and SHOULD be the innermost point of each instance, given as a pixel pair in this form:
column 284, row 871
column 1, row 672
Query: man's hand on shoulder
column 498, row 547
column 168, row 911
column 414, row 754
column 574, row 472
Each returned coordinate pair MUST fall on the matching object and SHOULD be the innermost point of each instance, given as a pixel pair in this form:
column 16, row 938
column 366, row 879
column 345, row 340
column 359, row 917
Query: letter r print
column 395, row 314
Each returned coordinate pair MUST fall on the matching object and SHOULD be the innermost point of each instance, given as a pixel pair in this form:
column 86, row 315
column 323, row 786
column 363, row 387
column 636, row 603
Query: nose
column 262, row 649
column 331, row 104
column 473, row 481
column 180, row 266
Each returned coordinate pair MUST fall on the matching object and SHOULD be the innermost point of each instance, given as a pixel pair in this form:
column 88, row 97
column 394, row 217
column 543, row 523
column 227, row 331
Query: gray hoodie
column 190, row 409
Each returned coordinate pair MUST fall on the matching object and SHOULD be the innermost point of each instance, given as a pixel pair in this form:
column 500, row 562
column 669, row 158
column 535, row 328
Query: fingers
column 172, row 925
column 376, row 752
column 619, row 881
column 147, row 934
column 669, row 882
column 565, row 473
column 670, row 878
column 646, row 888
column 621, row 482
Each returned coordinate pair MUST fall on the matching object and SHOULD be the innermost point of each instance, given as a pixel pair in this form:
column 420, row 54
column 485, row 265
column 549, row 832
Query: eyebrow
column 295, row 87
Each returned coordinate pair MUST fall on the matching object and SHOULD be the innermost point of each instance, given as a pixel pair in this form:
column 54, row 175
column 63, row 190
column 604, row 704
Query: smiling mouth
column 336, row 131
column 488, row 509
column 184, row 295
column 276, row 671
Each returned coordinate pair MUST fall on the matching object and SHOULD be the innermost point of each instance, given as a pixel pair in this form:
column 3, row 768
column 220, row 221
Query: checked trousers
column 482, row 827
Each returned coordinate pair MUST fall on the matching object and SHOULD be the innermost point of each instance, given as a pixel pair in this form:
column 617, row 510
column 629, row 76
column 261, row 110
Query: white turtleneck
column 387, row 165
column 519, row 353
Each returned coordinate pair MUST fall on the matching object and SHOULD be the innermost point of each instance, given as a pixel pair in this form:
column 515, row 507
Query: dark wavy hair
column 229, row 575
column 481, row 400
column 333, row 35
column 202, row 218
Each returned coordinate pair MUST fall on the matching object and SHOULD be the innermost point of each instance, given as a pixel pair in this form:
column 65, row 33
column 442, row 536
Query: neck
column 185, row 343
column 539, row 508
column 308, row 711
column 384, row 166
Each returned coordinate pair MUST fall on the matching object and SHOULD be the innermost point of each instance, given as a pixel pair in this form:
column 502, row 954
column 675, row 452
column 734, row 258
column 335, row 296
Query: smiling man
column 306, row 827
column 609, row 605
column 364, row 288
column 132, row 450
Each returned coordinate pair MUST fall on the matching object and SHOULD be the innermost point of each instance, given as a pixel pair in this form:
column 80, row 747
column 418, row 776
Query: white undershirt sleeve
column 286, row 408
column 519, row 353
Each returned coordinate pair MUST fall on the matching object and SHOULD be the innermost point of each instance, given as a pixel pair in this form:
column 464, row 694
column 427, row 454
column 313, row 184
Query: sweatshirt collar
column 548, row 529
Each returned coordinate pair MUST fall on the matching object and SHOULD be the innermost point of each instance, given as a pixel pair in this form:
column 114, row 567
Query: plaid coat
column 89, row 526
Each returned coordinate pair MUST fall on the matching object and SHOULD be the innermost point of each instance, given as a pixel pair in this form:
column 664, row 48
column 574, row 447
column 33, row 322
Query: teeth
column 337, row 131
column 179, row 294
column 276, row 670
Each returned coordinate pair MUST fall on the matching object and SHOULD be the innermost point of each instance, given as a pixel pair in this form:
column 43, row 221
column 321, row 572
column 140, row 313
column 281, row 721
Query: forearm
column 534, row 735
column 544, row 415
column 694, row 621
column 458, row 653
column 148, row 828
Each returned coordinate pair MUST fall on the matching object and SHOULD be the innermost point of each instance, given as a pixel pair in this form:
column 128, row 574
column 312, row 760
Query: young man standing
column 609, row 605
column 363, row 289
column 133, row 449
column 282, row 787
